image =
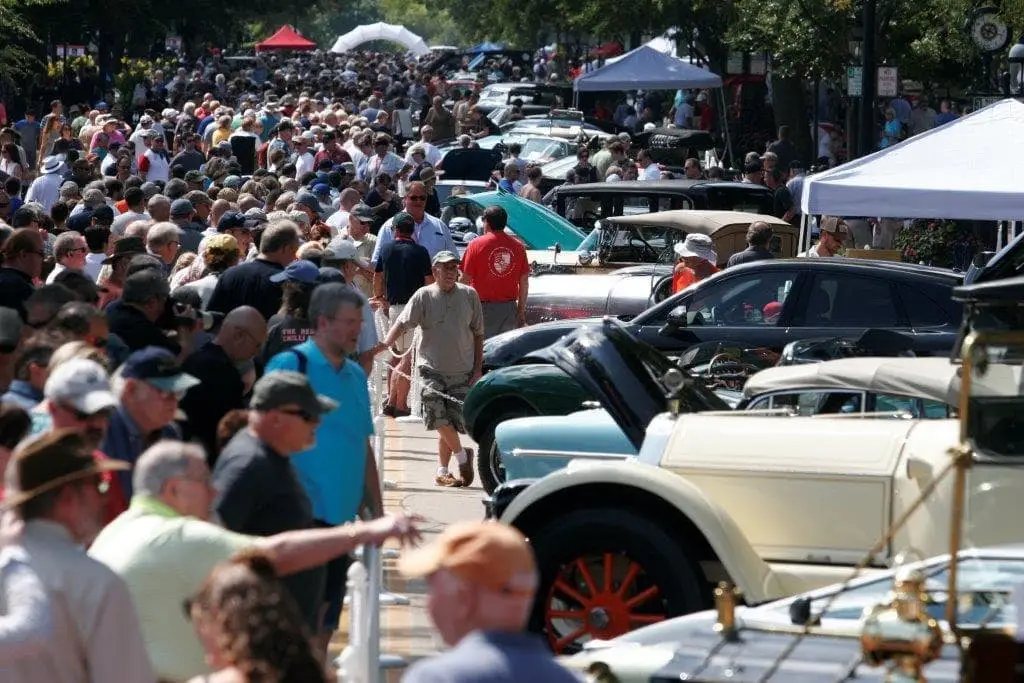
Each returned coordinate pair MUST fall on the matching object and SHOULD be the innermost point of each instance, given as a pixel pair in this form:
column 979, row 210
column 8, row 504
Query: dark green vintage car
column 516, row 391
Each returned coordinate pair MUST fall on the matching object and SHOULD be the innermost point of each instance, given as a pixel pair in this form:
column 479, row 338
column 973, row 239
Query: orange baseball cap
column 491, row 555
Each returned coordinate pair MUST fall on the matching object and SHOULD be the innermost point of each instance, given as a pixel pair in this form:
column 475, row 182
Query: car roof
column 703, row 221
column 931, row 378
column 870, row 266
column 659, row 186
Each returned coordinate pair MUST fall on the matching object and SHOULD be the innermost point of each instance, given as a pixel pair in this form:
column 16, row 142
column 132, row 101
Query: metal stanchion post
column 376, row 660
column 386, row 598
column 353, row 661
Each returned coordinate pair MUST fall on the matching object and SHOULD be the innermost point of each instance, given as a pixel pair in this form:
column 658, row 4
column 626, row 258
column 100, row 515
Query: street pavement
column 410, row 461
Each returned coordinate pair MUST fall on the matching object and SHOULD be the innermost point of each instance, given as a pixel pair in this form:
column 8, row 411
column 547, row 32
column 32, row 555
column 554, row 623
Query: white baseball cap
column 81, row 383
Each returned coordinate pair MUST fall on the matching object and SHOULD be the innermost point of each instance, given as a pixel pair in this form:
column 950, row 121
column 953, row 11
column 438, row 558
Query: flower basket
column 937, row 242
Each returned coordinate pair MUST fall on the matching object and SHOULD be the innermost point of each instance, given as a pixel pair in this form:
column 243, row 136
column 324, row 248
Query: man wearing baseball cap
column 56, row 487
column 482, row 578
column 450, row 359
column 833, row 232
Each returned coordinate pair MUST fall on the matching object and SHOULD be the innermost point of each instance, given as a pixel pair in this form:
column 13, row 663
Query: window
column 808, row 403
column 842, row 300
column 634, row 205
column 744, row 300
column 922, row 309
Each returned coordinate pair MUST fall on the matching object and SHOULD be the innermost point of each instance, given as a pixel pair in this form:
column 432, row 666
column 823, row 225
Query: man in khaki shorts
column 450, row 357
column 403, row 268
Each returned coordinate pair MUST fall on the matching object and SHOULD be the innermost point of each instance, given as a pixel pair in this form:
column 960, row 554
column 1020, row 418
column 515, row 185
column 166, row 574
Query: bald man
column 338, row 221
column 224, row 366
column 482, row 578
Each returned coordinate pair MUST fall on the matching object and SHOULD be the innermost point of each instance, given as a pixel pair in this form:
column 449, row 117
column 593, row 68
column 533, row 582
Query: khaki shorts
column 437, row 410
column 404, row 342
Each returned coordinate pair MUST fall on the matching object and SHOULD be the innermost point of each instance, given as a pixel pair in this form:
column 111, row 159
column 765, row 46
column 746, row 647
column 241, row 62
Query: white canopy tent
column 969, row 168
column 380, row 31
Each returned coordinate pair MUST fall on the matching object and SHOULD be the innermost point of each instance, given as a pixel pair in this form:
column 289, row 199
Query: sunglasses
column 416, row 197
column 85, row 417
column 305, row 415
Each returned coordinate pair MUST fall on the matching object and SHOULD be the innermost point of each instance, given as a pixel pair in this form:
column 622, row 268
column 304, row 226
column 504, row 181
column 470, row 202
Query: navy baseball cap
column 301, row 271
column 158, row 367
column 231, row 220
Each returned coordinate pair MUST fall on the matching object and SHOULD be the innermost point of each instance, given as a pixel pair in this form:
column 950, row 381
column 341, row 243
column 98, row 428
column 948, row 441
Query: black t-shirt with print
column 284, row 332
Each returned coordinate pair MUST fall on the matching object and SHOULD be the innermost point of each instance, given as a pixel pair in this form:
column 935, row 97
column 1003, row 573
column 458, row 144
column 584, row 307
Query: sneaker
column 466, row 469
column 446, row 480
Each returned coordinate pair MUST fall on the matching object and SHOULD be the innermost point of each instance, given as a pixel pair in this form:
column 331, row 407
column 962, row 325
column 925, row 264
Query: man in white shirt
column 136, row 200
column 69, row 249
column 45, row 189
column 155, row 164
column 96, row 632
column 833, row 232
column 338, row 221
column 650, row 170
column 431, row 154
column 304, row 161
column 430, row 232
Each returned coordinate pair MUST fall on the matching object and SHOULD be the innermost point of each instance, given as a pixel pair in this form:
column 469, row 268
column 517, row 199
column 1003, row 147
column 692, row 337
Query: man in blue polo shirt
column 339, row 473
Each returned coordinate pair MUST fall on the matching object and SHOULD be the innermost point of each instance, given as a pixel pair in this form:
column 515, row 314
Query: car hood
column 536, row 226
column 585, row 431
column 506, row 348
column 622, row 373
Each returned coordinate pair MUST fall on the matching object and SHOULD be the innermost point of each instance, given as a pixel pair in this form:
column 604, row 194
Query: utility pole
column 867, row 99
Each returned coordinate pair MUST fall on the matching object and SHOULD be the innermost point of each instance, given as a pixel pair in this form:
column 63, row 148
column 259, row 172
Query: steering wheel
column 639, row 249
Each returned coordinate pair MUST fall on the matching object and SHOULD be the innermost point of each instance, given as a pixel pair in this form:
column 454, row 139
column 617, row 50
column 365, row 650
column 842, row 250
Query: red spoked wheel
column 605, row 571
column 600, row 596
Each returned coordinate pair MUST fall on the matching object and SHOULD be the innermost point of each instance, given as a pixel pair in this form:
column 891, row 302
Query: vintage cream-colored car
column 776, row 506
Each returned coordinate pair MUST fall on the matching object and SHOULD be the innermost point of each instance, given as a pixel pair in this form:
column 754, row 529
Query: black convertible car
column 769, row 304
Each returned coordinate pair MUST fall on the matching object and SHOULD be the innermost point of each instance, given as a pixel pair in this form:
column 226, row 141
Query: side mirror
column 982, row 258
column 678, row 317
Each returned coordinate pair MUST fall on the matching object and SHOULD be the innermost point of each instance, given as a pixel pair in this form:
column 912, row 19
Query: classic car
column 603, row 366
column 910, row 388
column 774, row 506
column 763, row 304
column 536, row 227
column 585, row 203
column 650, row 237
column 622, row 292
column 685, row 648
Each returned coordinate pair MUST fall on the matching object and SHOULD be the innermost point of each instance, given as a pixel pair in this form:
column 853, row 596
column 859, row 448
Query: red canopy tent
column 286, row 38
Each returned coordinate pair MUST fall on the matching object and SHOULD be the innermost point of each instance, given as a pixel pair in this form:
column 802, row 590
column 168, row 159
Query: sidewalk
column 410, row 462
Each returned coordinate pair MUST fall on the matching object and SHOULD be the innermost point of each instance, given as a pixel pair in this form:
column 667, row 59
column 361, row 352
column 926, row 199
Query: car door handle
column 590, row 405
column 919, row 470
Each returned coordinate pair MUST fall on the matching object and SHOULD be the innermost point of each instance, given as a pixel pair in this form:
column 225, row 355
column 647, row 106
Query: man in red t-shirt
column 495, row 266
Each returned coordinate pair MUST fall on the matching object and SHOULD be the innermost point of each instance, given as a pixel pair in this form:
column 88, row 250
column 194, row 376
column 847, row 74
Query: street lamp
column 1016, row 60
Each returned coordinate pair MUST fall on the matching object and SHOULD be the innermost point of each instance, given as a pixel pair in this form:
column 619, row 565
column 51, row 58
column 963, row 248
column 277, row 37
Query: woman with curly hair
column 250, row 627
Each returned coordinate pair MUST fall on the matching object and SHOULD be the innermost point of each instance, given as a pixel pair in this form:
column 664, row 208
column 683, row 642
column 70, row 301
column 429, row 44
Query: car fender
column 535, row 385
column 741, row 562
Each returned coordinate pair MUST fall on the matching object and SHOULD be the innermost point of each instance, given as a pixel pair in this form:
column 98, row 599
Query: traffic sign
column 888, row 81
column 854, row 81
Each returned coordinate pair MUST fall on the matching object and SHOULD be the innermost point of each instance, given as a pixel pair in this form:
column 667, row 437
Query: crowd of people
column 185, row 346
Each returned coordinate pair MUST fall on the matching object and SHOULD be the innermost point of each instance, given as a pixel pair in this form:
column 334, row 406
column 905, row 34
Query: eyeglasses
column 305, row 415
column 78, row 250
column 416, row 197
column 167, row 395
column 100, row 342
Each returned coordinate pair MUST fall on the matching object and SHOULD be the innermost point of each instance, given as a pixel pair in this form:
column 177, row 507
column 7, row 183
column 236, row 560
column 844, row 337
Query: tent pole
column 723, row 117
column 804, row 234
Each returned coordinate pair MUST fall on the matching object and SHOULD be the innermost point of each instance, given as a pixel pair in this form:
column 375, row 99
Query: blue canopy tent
column 648, row 69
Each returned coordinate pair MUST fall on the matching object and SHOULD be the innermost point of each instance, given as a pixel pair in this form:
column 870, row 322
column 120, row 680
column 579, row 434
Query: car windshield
column 984, row 587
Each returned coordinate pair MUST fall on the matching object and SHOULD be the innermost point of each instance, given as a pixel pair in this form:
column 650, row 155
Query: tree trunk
column 788, row 104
